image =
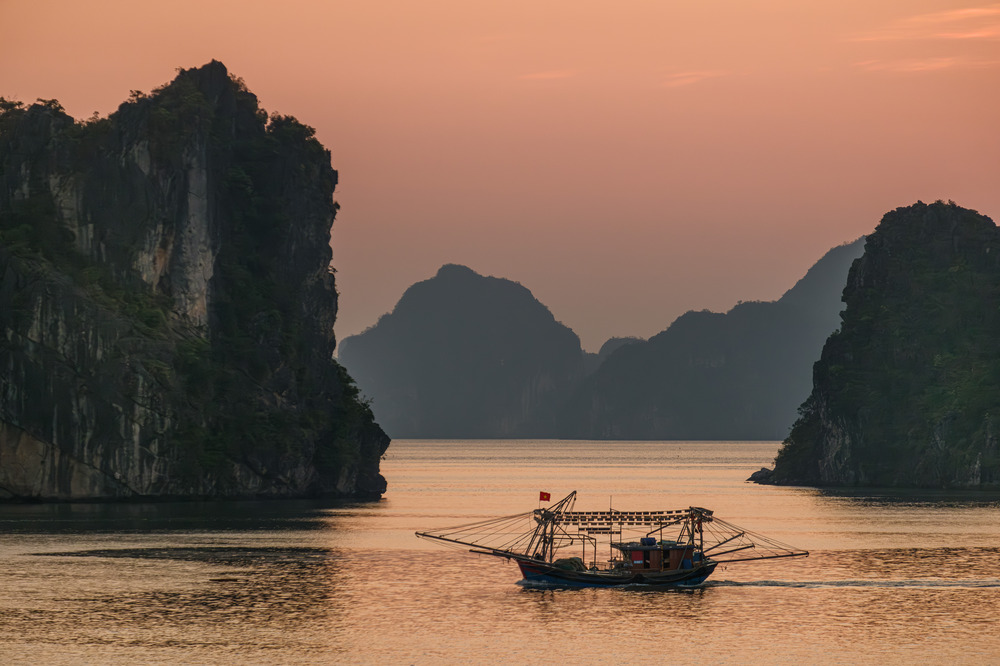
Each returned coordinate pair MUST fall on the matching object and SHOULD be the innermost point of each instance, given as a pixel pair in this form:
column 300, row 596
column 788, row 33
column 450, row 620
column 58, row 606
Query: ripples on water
column 891, row 578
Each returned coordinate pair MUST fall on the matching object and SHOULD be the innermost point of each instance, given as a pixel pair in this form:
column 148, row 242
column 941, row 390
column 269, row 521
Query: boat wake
column 917, row 583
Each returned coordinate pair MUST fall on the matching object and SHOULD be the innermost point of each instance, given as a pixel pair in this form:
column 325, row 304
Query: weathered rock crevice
column 167, row 304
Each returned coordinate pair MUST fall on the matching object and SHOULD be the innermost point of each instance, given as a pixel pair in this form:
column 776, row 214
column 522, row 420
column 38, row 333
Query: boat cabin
column 648, row 554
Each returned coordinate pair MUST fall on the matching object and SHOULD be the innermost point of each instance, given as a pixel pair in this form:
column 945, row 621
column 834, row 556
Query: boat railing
column 598, row 519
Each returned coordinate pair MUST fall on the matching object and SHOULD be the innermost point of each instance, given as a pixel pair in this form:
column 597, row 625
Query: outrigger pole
column 538, row 536
column 508, row 533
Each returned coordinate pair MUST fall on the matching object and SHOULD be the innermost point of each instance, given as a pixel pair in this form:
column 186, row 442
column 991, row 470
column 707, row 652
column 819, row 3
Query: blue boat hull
column 542, row 574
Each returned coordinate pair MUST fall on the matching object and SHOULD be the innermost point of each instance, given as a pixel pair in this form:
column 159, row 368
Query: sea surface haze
column 893, row 577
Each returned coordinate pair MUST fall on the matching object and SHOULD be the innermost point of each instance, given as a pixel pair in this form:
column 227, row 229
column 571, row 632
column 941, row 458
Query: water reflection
column 891, row 579
column 257, row 598
column 901, row 497
column 145, row 517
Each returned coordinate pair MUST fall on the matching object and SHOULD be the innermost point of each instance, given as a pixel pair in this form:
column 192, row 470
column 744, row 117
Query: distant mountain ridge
column 738, row 375
column 462, row 355
column 824, row 282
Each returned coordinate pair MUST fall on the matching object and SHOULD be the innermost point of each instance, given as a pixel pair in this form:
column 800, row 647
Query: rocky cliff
column 907, row 393
column 167, row 304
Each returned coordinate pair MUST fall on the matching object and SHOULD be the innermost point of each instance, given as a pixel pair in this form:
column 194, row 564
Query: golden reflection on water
column 891, row 578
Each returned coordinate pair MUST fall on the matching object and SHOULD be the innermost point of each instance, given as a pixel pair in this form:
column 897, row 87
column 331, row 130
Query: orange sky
column 625, row 161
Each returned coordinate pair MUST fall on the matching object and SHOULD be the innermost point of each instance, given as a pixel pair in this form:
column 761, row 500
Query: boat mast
column 545, row 533
column 551, row 541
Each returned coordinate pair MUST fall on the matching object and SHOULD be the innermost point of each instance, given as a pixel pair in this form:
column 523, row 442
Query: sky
column 626, row 161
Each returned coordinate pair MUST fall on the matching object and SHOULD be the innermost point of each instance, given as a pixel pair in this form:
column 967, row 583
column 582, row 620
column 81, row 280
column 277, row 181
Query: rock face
column 734, row 375
column 907, row 392
column 463, row 355
column 167, row 304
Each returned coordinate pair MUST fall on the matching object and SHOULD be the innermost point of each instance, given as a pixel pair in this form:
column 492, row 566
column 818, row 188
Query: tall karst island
column 167, row 304
column 907, row 393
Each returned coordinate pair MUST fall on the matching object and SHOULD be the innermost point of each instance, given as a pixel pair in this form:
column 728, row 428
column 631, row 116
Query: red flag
column 543, row 496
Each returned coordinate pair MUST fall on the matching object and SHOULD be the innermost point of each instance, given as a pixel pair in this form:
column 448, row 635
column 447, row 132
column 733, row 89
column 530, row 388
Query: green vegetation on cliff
column 907, row 393
column 168, row 303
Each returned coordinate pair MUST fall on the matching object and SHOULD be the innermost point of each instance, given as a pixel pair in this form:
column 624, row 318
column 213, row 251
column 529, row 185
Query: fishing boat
column 555, row 546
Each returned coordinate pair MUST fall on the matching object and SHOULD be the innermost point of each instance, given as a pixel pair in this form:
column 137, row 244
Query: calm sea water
column 892, row 578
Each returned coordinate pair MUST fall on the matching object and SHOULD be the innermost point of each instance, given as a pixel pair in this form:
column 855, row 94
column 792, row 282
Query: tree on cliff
column 907, row 393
